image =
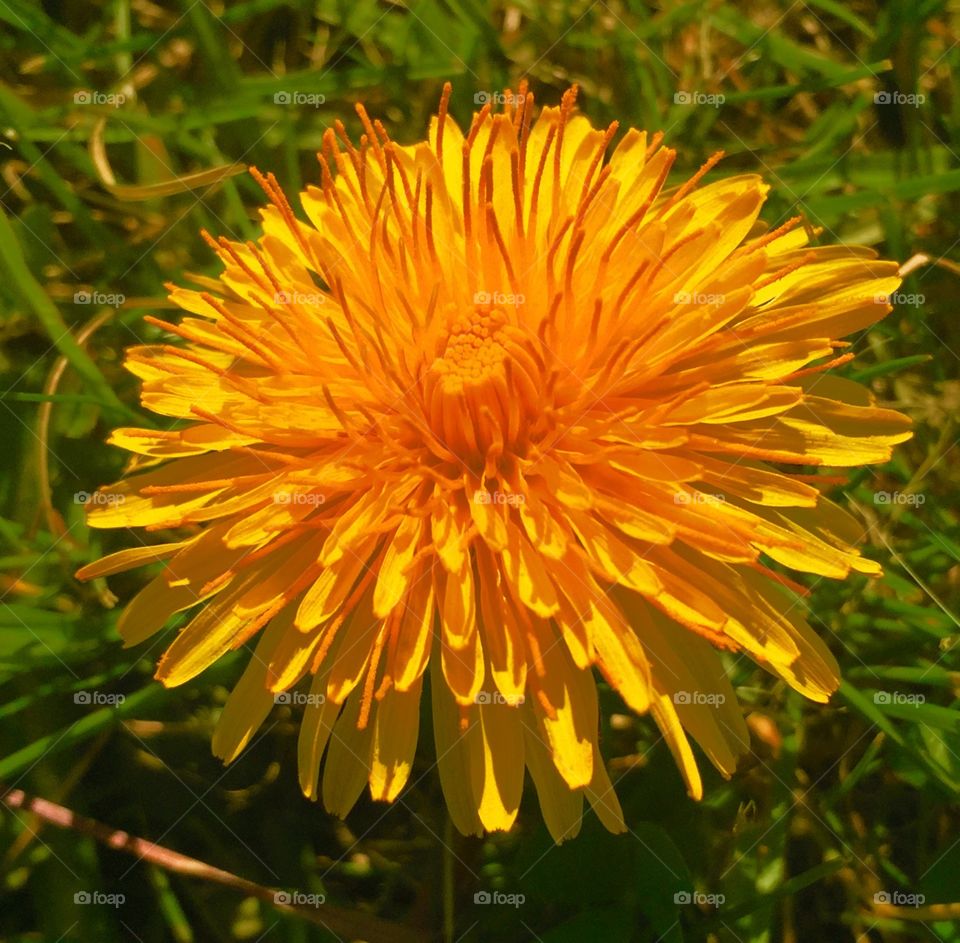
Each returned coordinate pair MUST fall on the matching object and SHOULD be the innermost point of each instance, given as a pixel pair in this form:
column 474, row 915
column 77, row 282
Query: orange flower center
column 474, row 351
column 485, row 390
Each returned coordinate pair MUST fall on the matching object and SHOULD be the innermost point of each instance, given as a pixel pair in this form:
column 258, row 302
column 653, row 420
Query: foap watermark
column 112, row 299
column 299, row 899
column 509, row 498
column 899, row 497
column 899, row 899
column 697, row 497
column 498, row 98
column 714, row 100
column 86, row 96
column 498, row 298
column 300, row 298
column 98, row 898
column 299, row 699
column 901, row 299
column 98, row 699
column 698, row 298
column 899, row 98
column 495, row 697
column 698, row 899
column 100, row 498
column 311, row 99
column 311, row 498
column 699, row 697
column 899, row 698
column 499, row 898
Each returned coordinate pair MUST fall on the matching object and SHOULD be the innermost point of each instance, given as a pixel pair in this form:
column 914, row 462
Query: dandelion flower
column 499, row 410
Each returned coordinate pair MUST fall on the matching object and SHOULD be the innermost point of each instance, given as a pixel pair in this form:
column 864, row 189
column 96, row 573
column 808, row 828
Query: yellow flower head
column 501, row 410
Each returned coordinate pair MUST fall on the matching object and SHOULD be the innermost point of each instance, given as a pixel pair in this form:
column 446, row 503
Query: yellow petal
column 324, row 598
column 614, row 559
column 570, row 724
column 669, row 723
column 394, row 741
column 502, row 634
column 348, row 760
column 319, row 716
column 544, row 532
column 183, row 584
column 127, row 559
column 562, row 808
column 453, row 758
column 459, row 614
column 620, row 657
column 415, row 635
column 249, row 702
column 447, row 537
column 394, row 576
column 463, row 665
column 501, row 765
column 490, row 519
column 355, row 650
column 603, row 798
column 527, row 575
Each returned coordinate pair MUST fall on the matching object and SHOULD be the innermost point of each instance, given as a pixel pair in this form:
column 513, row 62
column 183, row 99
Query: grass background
column 835, row 804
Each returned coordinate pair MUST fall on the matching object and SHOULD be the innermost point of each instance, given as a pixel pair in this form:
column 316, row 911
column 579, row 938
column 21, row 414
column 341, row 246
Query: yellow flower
column 501, row 410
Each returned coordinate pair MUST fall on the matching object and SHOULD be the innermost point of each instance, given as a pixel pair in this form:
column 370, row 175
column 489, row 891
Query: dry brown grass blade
column 137, row 192
column 54, row 521
column 347, row 924
column 921, row 259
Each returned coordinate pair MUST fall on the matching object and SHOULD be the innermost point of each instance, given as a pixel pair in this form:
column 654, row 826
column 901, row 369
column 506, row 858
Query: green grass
column 834, row 805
